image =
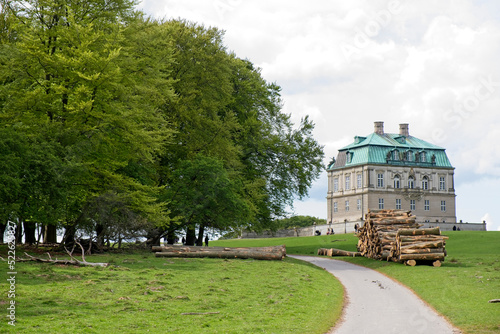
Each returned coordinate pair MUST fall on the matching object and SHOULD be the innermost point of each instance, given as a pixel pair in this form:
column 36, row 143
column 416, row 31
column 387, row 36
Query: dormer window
column 395, row 155
column 349, row 157
column 409, row 156
column 423, row 157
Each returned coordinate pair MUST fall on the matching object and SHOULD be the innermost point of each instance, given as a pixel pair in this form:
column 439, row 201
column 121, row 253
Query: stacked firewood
column 395, row 235
column 258, row 253
column 377, row 237
column 420, row 244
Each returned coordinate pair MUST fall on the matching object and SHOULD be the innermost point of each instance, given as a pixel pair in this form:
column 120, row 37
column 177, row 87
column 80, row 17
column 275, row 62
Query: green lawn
column 460, row 289
column 141, row 293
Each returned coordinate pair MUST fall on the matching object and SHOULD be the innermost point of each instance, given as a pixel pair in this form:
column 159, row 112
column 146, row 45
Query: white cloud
column 424, row 65
column 490, row 224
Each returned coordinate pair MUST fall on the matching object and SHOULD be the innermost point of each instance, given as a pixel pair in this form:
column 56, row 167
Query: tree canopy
column 120, row 125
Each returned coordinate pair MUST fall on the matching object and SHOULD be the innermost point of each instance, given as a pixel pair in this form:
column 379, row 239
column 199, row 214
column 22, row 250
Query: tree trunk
column 2, row 231
column 171, row 237
column 201, row 231
column 19, row 232
column 99, row 231
column 265, row 253
column 154, row 237
column 190, row 235
column 49, row 234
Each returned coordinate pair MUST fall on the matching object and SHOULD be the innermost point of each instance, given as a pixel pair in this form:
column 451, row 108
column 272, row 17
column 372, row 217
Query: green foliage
column 79, row 94
column 203, row 193
column 298, row 221
column 114, row 112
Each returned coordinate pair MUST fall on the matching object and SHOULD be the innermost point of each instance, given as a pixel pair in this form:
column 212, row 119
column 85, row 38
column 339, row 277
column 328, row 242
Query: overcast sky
column 346, row 64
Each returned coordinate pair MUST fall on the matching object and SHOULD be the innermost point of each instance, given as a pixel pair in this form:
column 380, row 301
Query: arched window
column 423, row 157
column 411, row 182
column 409, row 156
column 425, row 183
column 349, row 157
column 395, row 155
column 397, row 182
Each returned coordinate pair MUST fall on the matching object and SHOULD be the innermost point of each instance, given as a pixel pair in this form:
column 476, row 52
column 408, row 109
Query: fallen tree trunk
column 226, row 254
column 258, row 253
column 193, row 249
column 337, row 252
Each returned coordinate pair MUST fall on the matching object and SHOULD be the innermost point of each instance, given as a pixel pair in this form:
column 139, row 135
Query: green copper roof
column 380, row 149
column 392, row 140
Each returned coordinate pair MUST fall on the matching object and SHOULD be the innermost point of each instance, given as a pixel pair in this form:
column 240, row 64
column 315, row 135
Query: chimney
column 404, row 130
column 379, row 128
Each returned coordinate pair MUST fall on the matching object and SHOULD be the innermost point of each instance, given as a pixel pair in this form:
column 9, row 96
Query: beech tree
column 120, row 125
column 74, row 79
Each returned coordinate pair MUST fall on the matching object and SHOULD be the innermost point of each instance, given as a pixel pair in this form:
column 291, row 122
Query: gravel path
column 377, row 304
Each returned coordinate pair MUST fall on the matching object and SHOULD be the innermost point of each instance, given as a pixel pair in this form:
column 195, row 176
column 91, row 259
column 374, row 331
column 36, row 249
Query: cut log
column 182, row 248
column 258, row 253
column 436, row 263
column 427, row 256
column 423, row 231
column 411, row 263
column 422, row 245
column 421, row 250
column 337, row 252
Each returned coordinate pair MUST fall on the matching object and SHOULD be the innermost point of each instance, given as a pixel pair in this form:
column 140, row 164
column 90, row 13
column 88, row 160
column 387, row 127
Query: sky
column 347, row 64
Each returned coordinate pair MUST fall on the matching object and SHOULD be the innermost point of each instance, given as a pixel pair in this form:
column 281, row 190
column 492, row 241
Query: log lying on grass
column 258, row 253
column 337, row 252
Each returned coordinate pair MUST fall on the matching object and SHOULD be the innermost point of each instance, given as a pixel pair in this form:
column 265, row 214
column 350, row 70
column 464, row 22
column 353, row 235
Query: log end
column 411, row 263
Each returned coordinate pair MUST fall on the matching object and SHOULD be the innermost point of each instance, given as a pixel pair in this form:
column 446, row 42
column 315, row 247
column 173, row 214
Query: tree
column 75, row 79
column 205, row 195
column 298, row 221
column 280, row 161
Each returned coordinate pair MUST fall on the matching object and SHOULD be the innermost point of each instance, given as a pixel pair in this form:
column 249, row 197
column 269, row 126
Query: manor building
column 391, row 171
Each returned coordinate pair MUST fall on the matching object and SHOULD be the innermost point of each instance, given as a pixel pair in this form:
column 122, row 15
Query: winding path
column 377, row 304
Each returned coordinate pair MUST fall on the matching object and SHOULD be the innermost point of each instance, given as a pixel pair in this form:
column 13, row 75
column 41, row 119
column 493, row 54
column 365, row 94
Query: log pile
column 377, row 237
column 395, row 235
column 420, row 244
column 258, row 253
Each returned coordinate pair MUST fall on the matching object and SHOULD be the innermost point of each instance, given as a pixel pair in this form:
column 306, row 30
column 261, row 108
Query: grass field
column 460, row 289
column 140, row 293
